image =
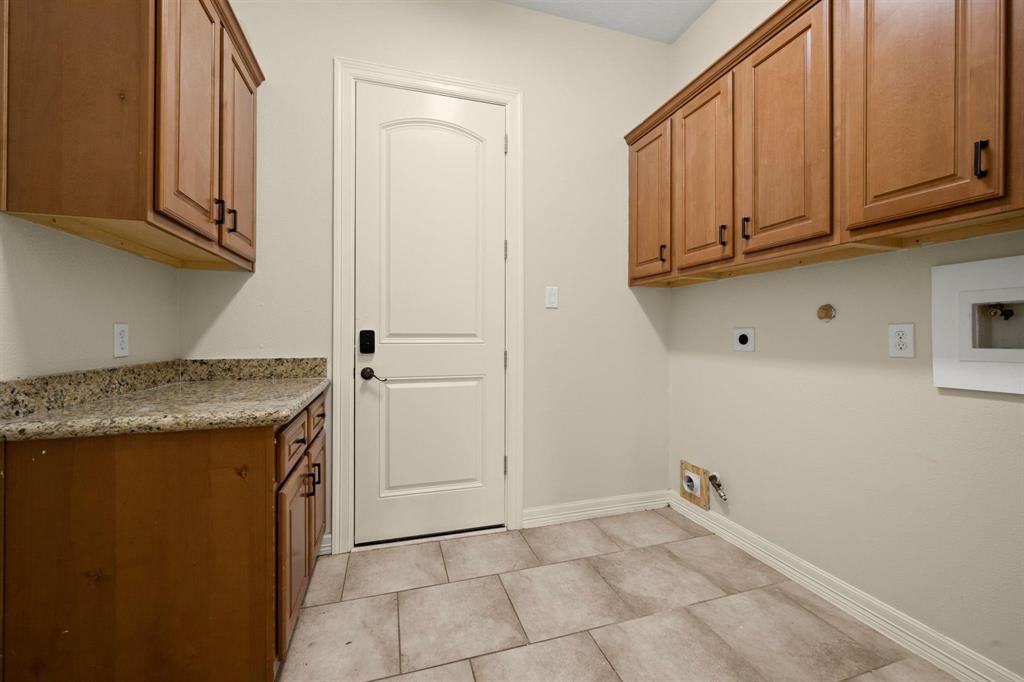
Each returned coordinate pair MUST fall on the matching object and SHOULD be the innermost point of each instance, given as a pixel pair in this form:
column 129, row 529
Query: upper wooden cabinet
column 702, row 169
column 922, row 87
column 783, row 137
column 136, row 128
column 650, row 211
column 839, row 128
column 238, row 152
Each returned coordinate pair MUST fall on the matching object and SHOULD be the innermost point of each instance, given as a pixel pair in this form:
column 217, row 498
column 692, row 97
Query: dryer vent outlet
column 693, row 484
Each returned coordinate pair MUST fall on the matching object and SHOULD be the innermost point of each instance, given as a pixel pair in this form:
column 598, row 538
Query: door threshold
column 429, row 537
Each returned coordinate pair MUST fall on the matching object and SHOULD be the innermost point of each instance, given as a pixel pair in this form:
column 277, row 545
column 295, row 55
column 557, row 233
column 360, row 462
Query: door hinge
column 506, row 359
column 506, row 465
column 506, row 143
column 506, row 249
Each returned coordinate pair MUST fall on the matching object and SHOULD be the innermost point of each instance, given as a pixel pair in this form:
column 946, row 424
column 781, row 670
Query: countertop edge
column 116, row 426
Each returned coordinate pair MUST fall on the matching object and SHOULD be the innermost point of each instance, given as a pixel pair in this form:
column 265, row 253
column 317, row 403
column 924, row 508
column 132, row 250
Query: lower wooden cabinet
column 294, row 534
column 156, row 556
column 318, row 504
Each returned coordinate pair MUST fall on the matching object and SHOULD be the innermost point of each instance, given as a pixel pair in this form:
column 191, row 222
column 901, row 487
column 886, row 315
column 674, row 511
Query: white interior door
column 430, row 285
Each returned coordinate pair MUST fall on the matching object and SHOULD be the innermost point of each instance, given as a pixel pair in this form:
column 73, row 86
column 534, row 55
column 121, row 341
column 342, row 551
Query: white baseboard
column 587, row 509
column 931, row 645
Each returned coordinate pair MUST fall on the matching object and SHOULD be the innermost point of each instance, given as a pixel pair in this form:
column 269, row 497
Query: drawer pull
column 321, row 415
column 301, row 440
column 316, row 475
column 979, row 172
column 721, row 235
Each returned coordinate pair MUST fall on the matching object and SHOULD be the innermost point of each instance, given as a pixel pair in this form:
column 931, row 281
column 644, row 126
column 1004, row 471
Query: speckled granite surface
column 183, row 406
column 22, row 397
column 252, row 368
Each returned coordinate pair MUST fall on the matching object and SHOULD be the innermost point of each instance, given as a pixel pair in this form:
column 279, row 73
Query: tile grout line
column 590, row 633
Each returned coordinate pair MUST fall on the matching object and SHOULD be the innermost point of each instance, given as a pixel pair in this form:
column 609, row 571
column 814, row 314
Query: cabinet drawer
column 317, row 415
column 291, row 443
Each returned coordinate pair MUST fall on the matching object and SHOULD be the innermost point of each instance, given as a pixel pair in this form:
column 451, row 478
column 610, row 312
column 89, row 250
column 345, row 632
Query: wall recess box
column 978, row 325
column 693, row 484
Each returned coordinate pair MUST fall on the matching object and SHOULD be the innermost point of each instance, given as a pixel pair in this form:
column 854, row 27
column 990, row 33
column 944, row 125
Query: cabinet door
column 923, row 94
column 188, row 106
column 318, row 502
column 650, row 203
column 702, row 165
column 293, row 561
column 238, row 153
column 783, row 137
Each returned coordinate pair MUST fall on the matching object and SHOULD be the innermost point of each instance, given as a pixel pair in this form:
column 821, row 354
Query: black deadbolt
column 367, row 344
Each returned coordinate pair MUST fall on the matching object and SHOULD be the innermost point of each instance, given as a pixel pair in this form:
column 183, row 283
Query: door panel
column 188, row 104
column 923, row 82
column 238, row 153
column 702, row 167
column 430, row 280
column 783, row 137
column 650, row 205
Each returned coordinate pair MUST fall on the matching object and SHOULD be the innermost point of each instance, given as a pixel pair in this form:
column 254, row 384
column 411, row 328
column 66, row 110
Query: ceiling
column 660, row 20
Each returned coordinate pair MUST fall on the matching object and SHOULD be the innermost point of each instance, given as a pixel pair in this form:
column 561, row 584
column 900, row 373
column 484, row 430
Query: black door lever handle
column 367, row 373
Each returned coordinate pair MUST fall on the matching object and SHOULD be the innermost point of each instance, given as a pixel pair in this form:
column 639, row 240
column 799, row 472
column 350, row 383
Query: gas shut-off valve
column 716, row 483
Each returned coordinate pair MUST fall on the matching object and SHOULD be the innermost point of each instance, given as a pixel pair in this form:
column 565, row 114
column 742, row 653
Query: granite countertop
column 181, row 406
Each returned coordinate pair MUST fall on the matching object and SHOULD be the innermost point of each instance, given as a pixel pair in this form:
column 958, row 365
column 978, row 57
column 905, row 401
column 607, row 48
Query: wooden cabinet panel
column 238, row 152
column 650, row 188
column 783, row 137
column 318, row 502
column 293, row 539
column 188, row 103
column 291, row 443
column 923, row 91
column 140, row 557
column 317, row 412
column 702, row 177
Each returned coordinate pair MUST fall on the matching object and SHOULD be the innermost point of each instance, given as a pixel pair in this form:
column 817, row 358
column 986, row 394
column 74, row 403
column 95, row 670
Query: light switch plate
column 120, row 340
column 550, row 297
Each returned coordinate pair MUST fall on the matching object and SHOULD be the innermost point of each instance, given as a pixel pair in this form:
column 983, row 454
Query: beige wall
column 595, row 369
column 60, row 296
column 845, row 457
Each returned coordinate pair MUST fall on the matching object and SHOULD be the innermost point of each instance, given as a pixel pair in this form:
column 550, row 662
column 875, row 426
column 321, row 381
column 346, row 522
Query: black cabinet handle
column 234, row 220
column 745, row 229
column 301, row 440
column 313, row 492
column 219, row 205
column 721, row 235
column 316, row 474
column 661, row 253
column 321, row 415
column 979, row 172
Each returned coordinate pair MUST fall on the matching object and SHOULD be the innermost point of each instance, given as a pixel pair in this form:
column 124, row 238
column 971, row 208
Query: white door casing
column 430, row 282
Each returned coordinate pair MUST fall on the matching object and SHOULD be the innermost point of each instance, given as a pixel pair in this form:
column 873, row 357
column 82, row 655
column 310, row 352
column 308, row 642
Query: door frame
column 347, row 73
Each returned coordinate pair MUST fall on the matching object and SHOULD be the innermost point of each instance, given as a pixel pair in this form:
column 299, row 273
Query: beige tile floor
column 642, row 596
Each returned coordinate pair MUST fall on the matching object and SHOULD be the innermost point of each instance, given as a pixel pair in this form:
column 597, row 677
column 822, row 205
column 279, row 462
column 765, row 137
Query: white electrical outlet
column 691, row 482
column 901, row 340
column 550, row 297
column 120, row 340
column 743, row 339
